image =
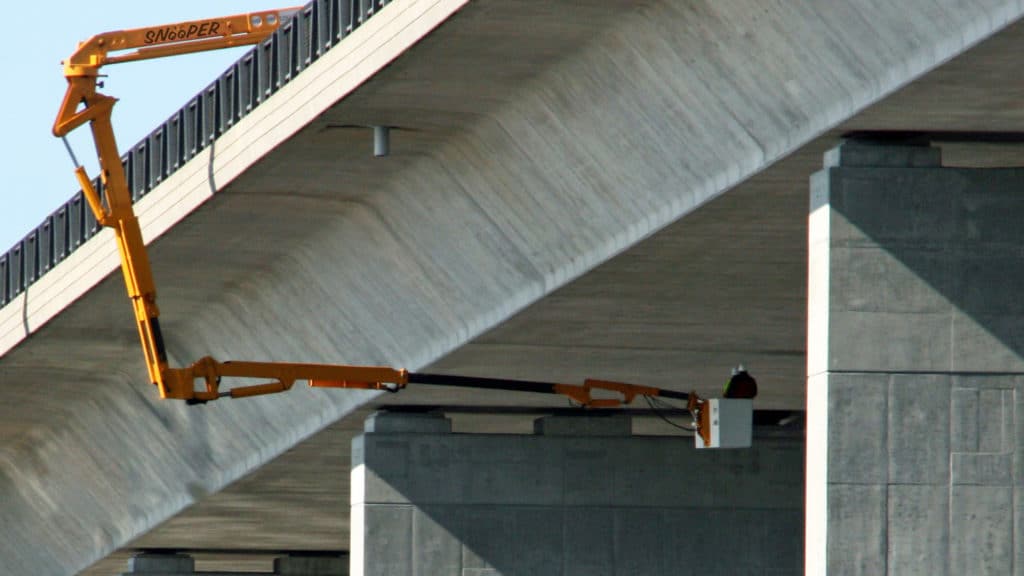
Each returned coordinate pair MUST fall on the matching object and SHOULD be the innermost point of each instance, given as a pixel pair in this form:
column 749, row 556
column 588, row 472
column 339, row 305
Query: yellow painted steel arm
column 82, row 104
column 82, row 68
column 280, row 376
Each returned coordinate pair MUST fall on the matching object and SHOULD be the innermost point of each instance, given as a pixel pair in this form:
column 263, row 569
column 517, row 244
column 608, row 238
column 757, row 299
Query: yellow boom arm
column 82, row 103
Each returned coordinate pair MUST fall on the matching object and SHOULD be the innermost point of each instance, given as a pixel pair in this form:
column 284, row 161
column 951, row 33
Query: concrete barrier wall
column 576, row 500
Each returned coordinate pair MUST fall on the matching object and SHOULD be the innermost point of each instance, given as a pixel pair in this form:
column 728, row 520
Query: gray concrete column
column 579, row 497
column 915, row 369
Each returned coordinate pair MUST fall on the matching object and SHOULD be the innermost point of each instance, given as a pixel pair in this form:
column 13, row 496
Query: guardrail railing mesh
column 298, row 43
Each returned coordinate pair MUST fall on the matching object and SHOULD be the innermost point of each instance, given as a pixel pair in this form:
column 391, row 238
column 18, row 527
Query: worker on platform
column 740, row 385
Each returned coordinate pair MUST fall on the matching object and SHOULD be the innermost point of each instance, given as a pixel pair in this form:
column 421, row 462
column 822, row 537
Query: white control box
column 730, row 421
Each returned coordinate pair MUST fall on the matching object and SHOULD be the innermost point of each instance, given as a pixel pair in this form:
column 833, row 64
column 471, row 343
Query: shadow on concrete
column 930, row 256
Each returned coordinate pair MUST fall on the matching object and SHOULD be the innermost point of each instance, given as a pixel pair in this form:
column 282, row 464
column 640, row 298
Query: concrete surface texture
column 599, row 503
column 512, row 177
column 915, row 380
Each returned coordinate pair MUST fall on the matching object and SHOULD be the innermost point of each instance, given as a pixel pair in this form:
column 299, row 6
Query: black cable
column 654, row 408
column 657, row 406
column 667, row 405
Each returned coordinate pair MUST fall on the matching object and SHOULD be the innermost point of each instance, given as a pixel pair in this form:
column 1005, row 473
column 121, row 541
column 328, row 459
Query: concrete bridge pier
column 915, row 366
column 579, row 496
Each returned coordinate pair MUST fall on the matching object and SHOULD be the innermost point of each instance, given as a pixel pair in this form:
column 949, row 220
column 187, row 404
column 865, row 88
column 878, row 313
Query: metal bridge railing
column 298, row 43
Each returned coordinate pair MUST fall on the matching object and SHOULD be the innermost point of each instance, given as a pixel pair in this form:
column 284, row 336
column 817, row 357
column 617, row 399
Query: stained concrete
column 563, row 504
column 612, row 121
column 915, row 373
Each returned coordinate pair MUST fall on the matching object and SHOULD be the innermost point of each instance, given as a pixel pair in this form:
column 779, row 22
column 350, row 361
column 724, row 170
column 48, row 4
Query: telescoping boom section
column 200, row 382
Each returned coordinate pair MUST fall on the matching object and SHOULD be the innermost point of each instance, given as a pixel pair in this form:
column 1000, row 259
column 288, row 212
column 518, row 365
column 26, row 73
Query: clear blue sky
column 36, row 171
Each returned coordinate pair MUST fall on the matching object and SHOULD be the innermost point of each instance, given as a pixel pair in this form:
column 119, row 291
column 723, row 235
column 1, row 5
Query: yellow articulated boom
column 83, row 104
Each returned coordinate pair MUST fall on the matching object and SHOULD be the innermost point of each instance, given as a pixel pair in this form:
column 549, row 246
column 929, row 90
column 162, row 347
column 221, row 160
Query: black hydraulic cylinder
column 483, row 383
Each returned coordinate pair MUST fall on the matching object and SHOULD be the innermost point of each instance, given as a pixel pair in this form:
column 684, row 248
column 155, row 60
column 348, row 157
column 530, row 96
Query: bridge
column 573, row 189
